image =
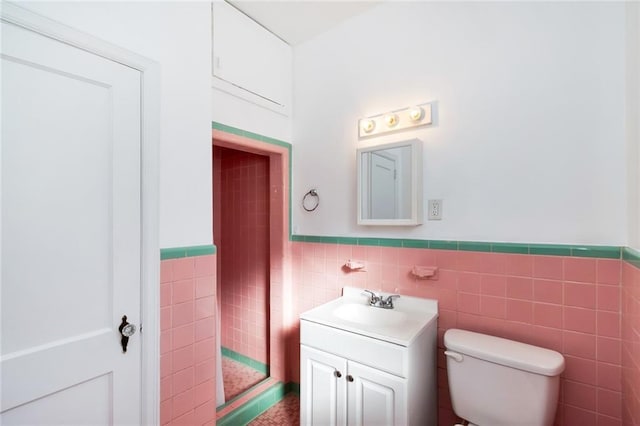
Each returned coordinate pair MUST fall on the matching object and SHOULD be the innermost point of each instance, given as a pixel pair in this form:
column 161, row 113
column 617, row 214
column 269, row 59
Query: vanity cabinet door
column 375, row 397
column 322, row 388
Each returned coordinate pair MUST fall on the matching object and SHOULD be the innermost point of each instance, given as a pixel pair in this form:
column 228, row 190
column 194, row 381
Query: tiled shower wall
column 187, row 341
column 631, row 342
column 569, row 304
column 241, row 202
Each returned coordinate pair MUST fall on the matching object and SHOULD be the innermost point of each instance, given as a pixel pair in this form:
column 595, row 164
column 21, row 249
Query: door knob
column 126, row 330
column 337, row 374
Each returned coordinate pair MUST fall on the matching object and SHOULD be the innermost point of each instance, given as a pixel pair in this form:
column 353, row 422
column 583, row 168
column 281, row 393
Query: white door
column 376, row 397
column 384, row 188
column 70, row 227
column 323, row 388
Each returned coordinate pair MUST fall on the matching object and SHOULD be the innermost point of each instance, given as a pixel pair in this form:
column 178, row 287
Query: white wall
column 528, row 143
column 178, row 36
column 633, row 122
column 250, row 57
column 237, row 112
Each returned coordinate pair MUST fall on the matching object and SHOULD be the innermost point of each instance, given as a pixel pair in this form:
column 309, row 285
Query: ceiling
column 301, row 20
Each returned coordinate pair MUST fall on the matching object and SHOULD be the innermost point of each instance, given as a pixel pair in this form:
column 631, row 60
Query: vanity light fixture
column 416, row 113
column 393, row 121
column 367, row 125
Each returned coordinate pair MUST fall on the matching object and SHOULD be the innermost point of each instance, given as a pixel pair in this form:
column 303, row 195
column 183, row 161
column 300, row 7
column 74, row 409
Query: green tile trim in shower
column 607, row 252
column 179, row 252
column 257, row 137
column 249, row 362
column 256, row 406
column 241, row 394
column 631, row 256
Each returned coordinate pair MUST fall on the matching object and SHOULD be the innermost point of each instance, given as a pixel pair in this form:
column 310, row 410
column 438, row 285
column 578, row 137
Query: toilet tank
column 495, row 381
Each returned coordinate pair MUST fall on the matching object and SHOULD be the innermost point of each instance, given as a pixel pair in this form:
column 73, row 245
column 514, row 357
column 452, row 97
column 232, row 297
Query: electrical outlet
column 435, row 210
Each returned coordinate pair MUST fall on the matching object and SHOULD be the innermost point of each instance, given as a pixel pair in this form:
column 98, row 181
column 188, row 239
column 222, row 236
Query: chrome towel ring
column 312, row 193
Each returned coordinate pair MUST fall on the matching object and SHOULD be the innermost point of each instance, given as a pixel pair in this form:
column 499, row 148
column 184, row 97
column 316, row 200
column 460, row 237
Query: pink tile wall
column 187, row 341
column 281, row 315
column 282, row 319
column 571, row 305
column 242, row 240
column 630, row 344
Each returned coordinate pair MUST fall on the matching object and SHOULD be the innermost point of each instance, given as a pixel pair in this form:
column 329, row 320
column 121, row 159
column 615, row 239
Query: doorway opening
column 264, row 199
column 241, row 227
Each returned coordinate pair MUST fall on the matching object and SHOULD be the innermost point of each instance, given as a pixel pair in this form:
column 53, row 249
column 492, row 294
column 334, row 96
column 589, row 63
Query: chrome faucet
column 388, row 302
column 381, row 302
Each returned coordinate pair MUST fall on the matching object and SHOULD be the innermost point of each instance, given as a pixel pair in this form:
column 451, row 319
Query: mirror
column 390, row 184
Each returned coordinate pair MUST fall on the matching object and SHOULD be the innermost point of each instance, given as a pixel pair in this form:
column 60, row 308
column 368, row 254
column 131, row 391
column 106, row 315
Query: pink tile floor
column 284, row 413
column 238, row 377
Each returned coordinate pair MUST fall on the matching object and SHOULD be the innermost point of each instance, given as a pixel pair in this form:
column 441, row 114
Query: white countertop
column 400, row 325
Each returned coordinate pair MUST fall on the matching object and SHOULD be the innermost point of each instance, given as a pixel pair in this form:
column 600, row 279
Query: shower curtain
column 219, row 379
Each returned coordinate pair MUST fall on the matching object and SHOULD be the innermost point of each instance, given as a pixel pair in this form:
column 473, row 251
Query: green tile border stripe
column 249, row 362
column 241, row 394
column 631, row 256
column 257, row 137
column 606, row 252
column 256, row 406
column 290, row 387
column 192, row 251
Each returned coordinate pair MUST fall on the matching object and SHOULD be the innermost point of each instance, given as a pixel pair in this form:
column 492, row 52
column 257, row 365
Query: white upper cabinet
column 249, row 61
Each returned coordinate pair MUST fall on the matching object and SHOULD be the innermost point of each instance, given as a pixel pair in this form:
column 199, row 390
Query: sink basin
column 351, row 312
column 365, row 314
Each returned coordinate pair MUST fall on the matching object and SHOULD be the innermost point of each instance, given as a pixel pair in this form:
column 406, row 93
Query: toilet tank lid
column 505, row 352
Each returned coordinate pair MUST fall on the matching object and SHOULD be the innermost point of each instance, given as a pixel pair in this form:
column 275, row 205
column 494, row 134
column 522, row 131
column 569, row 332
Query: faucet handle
column 388, row 302
column 370, row 292
column 374, row 298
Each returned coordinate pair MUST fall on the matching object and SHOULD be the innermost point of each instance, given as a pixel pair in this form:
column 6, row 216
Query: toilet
column 500, row 382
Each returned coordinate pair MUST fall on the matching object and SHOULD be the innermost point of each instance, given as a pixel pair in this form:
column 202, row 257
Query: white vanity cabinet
column 375, row 397
column 338, row 392
column 363, row 374
column 323, row 388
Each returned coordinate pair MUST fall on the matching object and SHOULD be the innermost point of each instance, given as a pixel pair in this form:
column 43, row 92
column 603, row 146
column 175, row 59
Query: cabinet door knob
column 349, row 378
column 337, row 374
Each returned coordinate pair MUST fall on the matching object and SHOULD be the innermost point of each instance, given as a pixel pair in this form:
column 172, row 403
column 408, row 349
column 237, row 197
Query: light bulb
column 416, row 113
column 368, row 125
column 391, row 120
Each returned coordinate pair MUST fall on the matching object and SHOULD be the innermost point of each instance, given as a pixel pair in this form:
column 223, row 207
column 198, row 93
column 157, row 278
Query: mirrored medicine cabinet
column 390, row 184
